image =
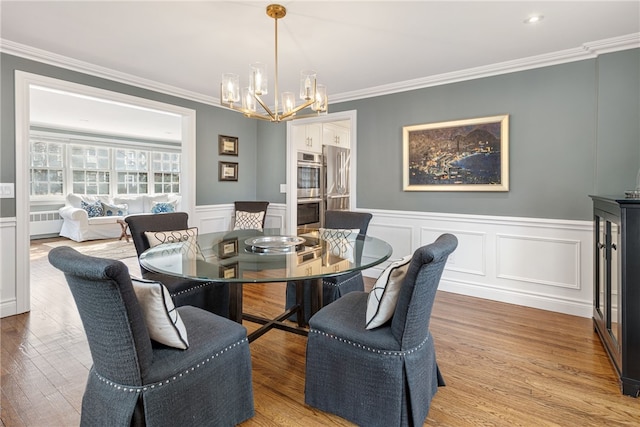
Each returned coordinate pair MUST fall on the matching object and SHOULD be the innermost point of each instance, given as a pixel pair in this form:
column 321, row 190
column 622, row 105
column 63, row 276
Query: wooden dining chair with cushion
column 153, row 364
column 148, row 229
column 333, row 287
column 249, row 215
column 385, row 375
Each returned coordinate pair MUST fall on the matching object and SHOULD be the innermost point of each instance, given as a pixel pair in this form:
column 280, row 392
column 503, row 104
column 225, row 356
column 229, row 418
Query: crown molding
column 586, row 51
column 46, row 57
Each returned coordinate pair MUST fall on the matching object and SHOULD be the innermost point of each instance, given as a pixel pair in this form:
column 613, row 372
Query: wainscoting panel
column 400, row 237
column 541, row 263
column 8, row 283
column 533, row 259
column 470, row 255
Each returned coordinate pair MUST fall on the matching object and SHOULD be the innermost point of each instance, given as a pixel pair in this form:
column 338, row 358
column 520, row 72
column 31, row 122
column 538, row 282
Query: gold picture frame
column 227, row 171
column 460, row 155
column 227, row 145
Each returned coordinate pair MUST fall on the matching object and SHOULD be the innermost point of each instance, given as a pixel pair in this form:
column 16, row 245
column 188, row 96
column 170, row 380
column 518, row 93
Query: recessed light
column 533, row 19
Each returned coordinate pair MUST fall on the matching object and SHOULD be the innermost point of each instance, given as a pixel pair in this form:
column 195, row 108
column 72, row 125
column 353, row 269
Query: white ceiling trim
column 587, row 51
column 39, row 55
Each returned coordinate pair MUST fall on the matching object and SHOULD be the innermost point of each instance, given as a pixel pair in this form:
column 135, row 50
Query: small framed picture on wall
column 227, row 145
column 227, row 171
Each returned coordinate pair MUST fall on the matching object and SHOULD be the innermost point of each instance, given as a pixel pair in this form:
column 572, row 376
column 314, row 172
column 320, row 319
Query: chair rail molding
column 539, row 263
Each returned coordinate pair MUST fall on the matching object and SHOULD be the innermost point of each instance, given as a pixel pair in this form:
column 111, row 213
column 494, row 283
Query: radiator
column 44, row 223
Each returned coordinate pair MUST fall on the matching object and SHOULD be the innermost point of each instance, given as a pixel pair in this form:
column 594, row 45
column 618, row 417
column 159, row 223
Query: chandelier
column 312, row 94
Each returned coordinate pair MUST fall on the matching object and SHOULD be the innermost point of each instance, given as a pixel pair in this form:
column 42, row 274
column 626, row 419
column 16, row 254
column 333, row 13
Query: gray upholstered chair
column 135, row 381
column 210, row 296
column 385, row 376
column 252, row 221
column 334, row 287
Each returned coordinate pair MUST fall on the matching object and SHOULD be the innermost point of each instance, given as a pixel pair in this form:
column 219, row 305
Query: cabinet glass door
column 615, row 326
column 601, row 266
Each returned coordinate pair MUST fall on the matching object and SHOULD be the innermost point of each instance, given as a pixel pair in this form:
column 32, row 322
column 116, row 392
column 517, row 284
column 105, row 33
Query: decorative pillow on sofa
column 248, row 220
column 163, row 320
column 93, row 209
column 110, row 209
column 163, row 207
column 135, row 204
column 383, row 298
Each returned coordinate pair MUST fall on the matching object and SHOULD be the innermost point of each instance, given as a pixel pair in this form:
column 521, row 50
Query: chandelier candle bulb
column 288, row 102
column 258, row 78
column 230, row 88
column 248, row 101
column 307, row 85
column 321, row 100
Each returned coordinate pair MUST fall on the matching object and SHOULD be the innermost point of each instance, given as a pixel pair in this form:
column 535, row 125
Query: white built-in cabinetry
column 308, row 138
column 312, row 137
column 335, row 134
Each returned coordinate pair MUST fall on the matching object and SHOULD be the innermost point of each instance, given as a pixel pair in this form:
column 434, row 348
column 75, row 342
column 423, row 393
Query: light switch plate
column 283, row 188
column 7, row 190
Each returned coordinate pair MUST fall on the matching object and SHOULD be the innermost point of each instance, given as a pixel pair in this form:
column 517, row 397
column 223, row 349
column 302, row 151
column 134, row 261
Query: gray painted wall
column 573, row 132
column 272, row 157
column 618, row 148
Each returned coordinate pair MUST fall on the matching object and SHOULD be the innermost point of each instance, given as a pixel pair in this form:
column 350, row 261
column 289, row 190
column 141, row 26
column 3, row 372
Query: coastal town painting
column 461, row 155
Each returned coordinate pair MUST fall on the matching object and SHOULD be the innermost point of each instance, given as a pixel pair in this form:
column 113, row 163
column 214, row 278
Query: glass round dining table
column 267, row 256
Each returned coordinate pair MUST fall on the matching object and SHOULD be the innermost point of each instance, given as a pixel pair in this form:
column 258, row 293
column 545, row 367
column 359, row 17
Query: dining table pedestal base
column 236, row 310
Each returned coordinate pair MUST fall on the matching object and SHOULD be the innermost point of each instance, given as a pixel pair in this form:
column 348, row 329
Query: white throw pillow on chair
column 383, row 298
column 163, row 320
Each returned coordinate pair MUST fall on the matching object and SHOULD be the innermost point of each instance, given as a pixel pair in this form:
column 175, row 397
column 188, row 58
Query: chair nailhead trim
column 370, row 349
column 337, row 285
column 192, row 289
column 139, row 389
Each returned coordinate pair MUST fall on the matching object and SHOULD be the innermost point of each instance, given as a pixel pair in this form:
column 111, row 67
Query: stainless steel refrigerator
column 336, row 193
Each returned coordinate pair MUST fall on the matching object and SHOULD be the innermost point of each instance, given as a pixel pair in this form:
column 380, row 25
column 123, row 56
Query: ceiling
column 358, row 48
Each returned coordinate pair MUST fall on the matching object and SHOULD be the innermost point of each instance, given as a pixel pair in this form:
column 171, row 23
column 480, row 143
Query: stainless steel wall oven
column 309, row 175
column 309, row 212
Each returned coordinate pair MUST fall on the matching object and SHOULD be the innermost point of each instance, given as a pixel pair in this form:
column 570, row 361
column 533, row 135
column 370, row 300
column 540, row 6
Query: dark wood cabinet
column 616, row 297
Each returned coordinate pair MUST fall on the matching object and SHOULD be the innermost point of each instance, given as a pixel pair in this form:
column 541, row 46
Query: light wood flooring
column 504, row 365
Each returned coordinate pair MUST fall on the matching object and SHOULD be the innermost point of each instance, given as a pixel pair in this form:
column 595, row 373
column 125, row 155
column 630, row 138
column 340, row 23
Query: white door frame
column 23, row 83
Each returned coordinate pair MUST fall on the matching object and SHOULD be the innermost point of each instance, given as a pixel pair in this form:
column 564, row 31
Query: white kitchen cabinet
column 336, row 135
column 308, row 137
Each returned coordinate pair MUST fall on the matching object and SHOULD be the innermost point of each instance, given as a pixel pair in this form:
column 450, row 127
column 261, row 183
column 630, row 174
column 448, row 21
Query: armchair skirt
column 373, row 387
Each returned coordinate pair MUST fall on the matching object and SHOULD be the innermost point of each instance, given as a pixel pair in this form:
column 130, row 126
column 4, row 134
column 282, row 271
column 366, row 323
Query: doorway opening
column 25, row 84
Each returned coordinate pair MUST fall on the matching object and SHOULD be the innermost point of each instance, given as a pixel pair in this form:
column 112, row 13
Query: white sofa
column 78, row 226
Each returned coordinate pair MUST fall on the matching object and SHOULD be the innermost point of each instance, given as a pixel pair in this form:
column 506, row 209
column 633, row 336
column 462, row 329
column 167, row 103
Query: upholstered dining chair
column 210, row 296
column 249, row 215
column 135, row 380
column 385, row 376
column 334, row 287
